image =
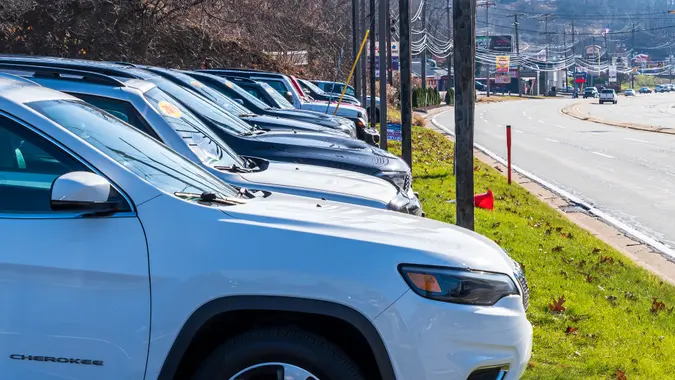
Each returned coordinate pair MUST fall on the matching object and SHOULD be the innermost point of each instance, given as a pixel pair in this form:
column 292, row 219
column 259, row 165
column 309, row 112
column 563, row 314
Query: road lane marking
column 560, row 126
column 539, row 121
column 638, row 140
column 596, row 133
column 499, row 126
column 524, row 113
column 551, row 140
column 603, row 155
column 529, row 117
column 518, row 130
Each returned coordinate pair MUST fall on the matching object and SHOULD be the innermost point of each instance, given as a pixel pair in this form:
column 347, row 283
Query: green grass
column 608, row 298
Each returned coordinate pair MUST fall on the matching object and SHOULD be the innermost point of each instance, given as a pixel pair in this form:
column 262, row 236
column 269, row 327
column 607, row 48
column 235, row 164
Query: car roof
column 245, row 72
column 22, row 92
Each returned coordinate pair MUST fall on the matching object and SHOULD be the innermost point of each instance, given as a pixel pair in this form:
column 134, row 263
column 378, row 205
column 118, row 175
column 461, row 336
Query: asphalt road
column 649, row 109
column 626, row 173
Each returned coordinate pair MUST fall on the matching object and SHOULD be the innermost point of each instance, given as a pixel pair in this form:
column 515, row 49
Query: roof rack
column 57, row 72
column 95, row 67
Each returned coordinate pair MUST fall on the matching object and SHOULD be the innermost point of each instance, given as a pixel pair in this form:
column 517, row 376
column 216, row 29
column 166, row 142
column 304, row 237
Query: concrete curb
column 643, row 250
column 573, row 111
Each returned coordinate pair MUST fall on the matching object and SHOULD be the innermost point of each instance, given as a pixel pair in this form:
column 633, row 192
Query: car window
column 211, row 150
column 607, row 91
column 278, row 98
column 203, row 107
column 235, row 91
column 211, row 94
column 142, row 155
column 121, row 110
column 276, row 84
column 29, row 164
column 312, row 87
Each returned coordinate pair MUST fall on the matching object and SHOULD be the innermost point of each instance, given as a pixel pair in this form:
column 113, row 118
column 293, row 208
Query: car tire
column 263, row 349
column 601, row 102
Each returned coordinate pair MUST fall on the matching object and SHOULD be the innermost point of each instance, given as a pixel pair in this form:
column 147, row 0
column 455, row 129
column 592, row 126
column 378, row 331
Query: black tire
column 281, row 344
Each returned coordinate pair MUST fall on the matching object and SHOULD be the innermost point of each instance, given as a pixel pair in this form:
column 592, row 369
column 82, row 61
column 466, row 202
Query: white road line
column 596, row 133
column 540, row 121
column 603, row 155
column 638, row 140
column 529, row 117
column 524, row 113
column 518, row 130
column 560, row 126
column 551, row 140
column 499, row 126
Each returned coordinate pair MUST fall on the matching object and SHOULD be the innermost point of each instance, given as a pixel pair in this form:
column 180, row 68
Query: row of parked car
column 190, row 224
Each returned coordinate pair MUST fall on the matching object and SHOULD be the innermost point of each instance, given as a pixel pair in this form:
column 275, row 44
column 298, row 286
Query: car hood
column 404, row 238
column 324, row 179
column 278, row 123
column 344, row 110
column 311, row 139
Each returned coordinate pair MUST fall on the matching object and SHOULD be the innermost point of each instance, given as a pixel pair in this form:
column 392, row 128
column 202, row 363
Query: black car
column 317, row 93
column 299, row 147
column 247, row 92
column 262, row 121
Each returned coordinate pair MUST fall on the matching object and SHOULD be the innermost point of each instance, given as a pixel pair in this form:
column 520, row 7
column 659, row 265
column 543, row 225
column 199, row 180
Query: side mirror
column 289, row 96
column 240, row 101
column 82, row 192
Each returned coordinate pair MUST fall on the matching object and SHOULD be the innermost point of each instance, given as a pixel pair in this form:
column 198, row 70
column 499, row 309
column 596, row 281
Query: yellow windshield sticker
column 228, row 83
column 169, row 109
column 195, row 83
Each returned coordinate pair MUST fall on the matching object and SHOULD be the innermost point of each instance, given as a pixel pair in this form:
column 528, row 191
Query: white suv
column 123, row 260
column 608, row 95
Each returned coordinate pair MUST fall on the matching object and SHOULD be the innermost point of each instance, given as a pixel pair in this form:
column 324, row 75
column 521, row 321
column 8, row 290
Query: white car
column 123, row 260
column 608, row 95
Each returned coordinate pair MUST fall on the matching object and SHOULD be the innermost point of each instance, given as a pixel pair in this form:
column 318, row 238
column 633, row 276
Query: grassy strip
column 613, row 319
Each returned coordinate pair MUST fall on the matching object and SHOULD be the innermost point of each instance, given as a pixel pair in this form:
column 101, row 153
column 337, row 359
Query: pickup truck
column 608, row 95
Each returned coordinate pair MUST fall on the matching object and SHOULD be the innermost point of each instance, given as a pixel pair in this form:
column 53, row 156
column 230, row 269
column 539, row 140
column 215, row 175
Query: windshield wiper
column 233, row 168
column 254, row 131
column 248, row 115
column 209, row 197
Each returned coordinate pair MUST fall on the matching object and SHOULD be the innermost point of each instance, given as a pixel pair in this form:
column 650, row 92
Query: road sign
column 580, row 77
column 393, row 132
column 495, row 43
column 503, row 78
column 502, row 63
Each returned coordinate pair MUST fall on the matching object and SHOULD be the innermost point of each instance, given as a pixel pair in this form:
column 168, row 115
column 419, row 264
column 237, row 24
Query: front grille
column 487, row 374
column 407, row 183
column 523, row 284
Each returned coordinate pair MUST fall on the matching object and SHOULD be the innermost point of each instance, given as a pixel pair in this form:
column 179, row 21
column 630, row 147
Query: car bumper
column 432, row 340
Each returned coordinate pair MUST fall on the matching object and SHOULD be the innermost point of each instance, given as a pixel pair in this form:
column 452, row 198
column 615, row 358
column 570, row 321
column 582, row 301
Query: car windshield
column 280, row 100
column 210, row 150
column 213, row 95
column 203, row 107
column 239, row 91
column 607, row 91
column 136, row 151
column 312, row 87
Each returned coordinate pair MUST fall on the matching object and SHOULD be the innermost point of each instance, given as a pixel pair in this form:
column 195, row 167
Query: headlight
column 402, row 203
column 361, row 123
column 458, row 286
column 401, row 179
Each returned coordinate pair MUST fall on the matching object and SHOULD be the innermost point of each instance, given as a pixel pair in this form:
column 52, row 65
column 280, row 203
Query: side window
column 29, row 164
column 121, row 110
column 255, row 92
column 277, row 85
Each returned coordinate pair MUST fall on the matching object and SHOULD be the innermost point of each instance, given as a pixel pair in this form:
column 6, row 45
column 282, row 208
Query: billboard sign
column 502, row 78
column 495, row 43
column 579, row 77
column 592, row 51
column 502, row 62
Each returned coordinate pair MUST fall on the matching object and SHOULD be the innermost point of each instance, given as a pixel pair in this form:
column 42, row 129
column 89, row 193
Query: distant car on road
column 608, row 95
column 629, row 92
column 645, row 90
column 660, row 88
column 591, row 92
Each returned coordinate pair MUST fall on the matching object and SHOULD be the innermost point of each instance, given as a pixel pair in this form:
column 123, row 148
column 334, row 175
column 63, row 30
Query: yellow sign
column 503, row 63
column 169, row 109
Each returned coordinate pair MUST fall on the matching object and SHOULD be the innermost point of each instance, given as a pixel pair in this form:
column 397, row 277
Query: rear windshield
column 607, row 91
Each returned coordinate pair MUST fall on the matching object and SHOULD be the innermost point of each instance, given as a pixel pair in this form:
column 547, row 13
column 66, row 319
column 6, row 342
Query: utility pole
column 390, row 63
column 632, row 73
column 356, row 41
column 565, row 52
column 384, row 5
column 372, row 112
column 423, row 57
column 364, row 62
column 464, row 49
column 449, row 58
column 406, row 90
column 515, row 25
column 547, row 43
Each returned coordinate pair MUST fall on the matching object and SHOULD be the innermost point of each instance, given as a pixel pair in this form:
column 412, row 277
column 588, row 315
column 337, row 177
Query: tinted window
column 211, row 150
column 211, row 94
column 280, row 100
column 142, row 155
column 29, row 164
column 312, row 87
column 121, row 110
column 607, row 91
column 277, row 85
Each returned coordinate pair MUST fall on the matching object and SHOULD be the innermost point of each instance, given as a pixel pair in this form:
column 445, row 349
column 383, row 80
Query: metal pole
column 449, row 58
column 383, row 73
column 520, row 85
column 632, row 73
column 351, row 72
column 508, row 150
column 364, row 63
column 464, row 38
column 372, row 112
column 406, row 89
column 423, row 57
column 390, row 66
column 356, row 37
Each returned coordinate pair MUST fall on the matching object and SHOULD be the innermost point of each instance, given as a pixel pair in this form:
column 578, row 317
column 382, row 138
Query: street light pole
column 406, row 88
column 384, row 4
